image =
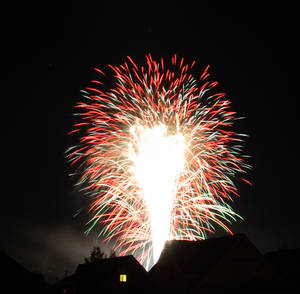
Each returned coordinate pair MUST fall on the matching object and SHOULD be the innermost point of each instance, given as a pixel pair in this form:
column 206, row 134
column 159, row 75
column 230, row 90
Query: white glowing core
column 158, row 160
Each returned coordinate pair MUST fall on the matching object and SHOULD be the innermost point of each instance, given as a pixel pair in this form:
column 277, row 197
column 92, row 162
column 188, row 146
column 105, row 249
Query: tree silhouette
column 97, row 254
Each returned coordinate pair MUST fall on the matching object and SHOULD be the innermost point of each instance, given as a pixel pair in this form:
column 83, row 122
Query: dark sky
column 48, row 55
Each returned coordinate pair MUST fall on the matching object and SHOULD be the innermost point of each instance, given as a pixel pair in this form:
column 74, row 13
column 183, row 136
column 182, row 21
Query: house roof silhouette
column 215, row 262
column 12, row 267
column 286, row 263
column 189, row 255
column 106, row 274
column 107, row 266
column 16, row 278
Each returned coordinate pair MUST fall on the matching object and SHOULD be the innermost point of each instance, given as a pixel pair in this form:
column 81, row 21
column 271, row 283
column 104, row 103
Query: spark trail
column 158, row 156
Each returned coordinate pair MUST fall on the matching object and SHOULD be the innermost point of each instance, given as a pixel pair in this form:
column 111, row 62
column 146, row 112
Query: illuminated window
column 123, row 278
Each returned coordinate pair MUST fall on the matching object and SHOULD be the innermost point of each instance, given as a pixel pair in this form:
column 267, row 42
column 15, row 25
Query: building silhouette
column 229, row 264
column 286, row 262
column 216, row 265
column 17, row 279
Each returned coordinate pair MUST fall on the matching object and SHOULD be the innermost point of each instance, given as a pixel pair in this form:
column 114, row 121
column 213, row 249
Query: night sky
column 48, row 56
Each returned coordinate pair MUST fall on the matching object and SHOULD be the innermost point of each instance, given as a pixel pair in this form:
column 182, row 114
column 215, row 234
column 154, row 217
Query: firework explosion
column 157, row 157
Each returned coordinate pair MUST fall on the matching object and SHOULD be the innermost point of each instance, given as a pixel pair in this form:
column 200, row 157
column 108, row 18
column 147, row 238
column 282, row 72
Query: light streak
column 157, row 156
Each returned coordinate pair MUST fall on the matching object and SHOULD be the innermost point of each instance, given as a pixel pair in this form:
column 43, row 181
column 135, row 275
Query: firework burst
column 158, row 156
